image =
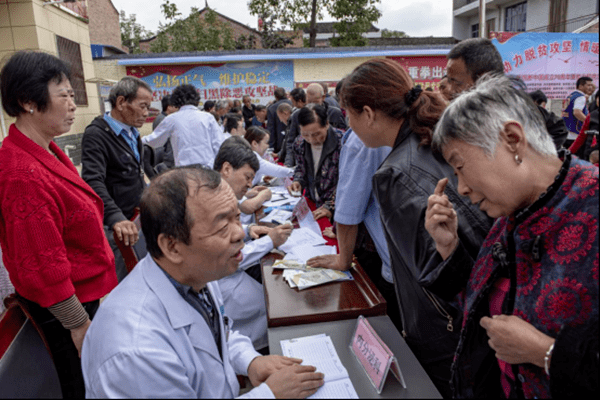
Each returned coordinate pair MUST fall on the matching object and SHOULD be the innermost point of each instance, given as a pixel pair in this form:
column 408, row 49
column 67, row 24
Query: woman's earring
column 31, row 111
column 518, row 159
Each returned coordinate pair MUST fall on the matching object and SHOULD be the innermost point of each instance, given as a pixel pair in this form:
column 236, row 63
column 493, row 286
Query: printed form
column 318, row 351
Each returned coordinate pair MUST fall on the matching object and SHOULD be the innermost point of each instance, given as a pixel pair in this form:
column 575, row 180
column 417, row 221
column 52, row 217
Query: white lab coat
column 195, row 136
column 270, row 169
column 147, row 341
column 244, row 297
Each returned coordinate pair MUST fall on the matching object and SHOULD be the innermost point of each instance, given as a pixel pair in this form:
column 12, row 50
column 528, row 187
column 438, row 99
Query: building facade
column 59, row 30
column 523, row 16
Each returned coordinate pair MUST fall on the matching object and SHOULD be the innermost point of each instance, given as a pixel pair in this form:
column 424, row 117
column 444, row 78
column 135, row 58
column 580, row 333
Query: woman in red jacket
column 51, row 231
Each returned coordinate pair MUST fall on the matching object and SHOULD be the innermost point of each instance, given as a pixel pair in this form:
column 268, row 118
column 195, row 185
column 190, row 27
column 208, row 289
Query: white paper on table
column 300, row 237
column 288, row 274
column 319, row 352
column 279, row 190
column 279, row 200
column 340, row 389
column 303, row 253
column 277, row 215
column 309, row 222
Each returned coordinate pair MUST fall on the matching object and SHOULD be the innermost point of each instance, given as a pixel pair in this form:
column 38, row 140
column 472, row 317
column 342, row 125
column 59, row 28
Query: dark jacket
column 574, row 366
column 430, row 316
column 248, row 114
column 336, row 118
column 556, row 127
column 275, row 127
column 290, row 138
column 331, row 101
column 326, row 179
column 109, row 166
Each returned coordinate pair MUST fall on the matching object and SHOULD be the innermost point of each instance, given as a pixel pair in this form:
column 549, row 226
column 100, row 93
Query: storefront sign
column 219, row 81
column 426, row 71
column 550, row 62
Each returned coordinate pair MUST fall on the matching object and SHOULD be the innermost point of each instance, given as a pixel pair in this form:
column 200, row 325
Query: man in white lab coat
column 242, row 294
column 163, row 331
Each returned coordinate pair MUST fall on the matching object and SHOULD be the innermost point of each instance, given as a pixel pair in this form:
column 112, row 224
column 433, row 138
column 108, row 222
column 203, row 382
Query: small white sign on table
column 373, row 354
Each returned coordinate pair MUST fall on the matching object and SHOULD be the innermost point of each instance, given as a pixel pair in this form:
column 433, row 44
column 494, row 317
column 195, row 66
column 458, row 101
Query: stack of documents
column 281, row 197
column 319, row 351
column 278, row 216
column 301, row 237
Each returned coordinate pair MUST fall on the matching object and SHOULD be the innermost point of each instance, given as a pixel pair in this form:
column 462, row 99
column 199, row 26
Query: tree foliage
column 386, row 33
column 270, row 37
column 354, row 16
column 132, row 32
column 196, row 32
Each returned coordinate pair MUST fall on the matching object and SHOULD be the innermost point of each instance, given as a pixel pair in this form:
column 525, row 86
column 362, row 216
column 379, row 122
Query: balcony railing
column 567, row 25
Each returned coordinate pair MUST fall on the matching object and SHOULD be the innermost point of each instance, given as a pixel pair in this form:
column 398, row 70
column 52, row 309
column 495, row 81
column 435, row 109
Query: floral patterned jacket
column 549, row 251
column 324, row 183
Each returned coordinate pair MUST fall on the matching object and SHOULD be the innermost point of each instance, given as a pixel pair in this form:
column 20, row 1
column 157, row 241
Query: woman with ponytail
column 385, row 109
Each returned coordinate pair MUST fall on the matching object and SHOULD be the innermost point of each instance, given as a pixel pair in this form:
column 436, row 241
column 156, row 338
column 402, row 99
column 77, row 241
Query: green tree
column 386, row 33
column 354, row 16
column 132, row 32
column 293, row 14
column 270, row 37
column 194, row 33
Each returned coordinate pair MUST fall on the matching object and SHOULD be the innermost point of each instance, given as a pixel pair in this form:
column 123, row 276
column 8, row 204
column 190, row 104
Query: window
column 70, row 52
column 516, row 18
column 558, row 15
column 475, row 30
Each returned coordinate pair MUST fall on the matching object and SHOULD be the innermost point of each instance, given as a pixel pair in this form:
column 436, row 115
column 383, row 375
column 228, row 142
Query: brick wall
column 104, row 23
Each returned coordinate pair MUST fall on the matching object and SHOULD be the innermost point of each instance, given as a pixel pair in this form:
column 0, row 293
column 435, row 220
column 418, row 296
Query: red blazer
column 51, row 231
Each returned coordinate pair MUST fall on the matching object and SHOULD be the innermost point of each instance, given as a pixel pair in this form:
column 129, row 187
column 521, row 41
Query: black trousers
column 64, row 353
column 120, row 266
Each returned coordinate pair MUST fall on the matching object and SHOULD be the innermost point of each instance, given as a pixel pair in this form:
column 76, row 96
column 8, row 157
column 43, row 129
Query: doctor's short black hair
column 163, row 207
column 237, row 152
column 185, row 95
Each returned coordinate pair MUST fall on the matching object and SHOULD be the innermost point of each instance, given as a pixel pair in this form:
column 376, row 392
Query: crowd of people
column 465, row 207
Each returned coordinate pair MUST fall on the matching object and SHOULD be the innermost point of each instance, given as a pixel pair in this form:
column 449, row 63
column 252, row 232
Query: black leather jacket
column 431, row 318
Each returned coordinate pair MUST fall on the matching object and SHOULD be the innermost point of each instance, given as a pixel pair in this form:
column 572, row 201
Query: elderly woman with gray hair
column 531, row 304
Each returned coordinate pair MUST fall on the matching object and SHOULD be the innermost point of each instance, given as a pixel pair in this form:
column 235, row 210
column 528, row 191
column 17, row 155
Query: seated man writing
column 243, row 295
column 164, row 332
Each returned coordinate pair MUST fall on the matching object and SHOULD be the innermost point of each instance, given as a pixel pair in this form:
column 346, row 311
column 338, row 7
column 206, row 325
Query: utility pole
column 482, row 29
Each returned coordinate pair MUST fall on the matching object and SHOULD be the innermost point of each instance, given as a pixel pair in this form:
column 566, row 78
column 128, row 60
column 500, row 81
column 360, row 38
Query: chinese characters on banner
column 218, row 81
column 550, row 62
column 426, row 71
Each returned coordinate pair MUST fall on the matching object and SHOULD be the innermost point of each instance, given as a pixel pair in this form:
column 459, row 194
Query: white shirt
column 270, row 169
column 579, row 103
column 195, row 136
column 316, row 154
